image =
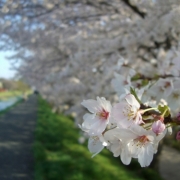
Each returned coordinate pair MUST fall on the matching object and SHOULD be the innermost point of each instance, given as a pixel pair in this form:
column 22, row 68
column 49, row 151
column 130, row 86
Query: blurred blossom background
column 65, row 51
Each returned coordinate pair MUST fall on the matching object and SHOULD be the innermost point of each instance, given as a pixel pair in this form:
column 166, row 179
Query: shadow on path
column 16, row 138
column 169, row 165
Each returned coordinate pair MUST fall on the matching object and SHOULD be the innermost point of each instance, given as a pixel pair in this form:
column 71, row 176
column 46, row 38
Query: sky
column 5, row 66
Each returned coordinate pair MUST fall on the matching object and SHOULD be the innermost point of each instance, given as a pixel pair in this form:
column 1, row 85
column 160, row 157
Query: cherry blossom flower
column 167, row 86
column 139, row 143
column 127, row 111
column 96, row 122
column 120, row 82
column 174, row 99
column 133, row 142
column 116, row 145
column 162, row 88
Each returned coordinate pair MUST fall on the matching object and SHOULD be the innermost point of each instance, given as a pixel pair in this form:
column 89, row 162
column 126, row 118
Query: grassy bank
column 58, row 156
column 9, row 94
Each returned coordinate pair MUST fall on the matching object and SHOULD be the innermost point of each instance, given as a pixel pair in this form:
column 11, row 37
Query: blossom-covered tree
column 74, row 50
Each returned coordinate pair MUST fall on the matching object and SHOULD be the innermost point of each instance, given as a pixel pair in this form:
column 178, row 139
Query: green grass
column 8, row 94
column 58, row 156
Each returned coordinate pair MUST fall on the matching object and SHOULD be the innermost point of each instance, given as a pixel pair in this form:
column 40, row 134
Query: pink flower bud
column 158, row 127
column 178, row 136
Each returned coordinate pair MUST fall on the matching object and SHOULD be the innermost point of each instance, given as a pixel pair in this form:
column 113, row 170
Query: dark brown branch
column 108, row 4
column 135, row 9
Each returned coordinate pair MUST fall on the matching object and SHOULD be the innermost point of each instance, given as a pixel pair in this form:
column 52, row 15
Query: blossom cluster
column 133, row 127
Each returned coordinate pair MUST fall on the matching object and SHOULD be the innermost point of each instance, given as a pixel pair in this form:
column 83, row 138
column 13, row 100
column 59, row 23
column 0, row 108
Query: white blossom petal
column 91, row 105
column 95, row 145
column 125, row 156
column 89, row 120
column 146, row 156
column 97, row 128
column 132, row 101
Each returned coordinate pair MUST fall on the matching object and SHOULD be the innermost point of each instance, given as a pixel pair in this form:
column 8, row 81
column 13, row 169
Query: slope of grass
column 9, row 94
column 58, row 156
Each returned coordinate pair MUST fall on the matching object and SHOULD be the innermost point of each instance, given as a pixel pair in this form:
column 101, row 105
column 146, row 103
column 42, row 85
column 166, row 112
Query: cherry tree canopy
column 70, row 49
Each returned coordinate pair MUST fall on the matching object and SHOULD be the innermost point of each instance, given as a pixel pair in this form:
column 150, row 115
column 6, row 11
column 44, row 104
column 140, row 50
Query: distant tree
column 21, row 86
column 7, row 84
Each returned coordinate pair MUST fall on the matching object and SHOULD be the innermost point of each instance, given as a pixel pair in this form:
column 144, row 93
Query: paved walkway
column 169, row 165
column 16, row 139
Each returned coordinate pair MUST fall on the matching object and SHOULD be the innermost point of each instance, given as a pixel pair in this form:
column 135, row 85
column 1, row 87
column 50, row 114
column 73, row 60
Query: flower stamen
column 104, row 115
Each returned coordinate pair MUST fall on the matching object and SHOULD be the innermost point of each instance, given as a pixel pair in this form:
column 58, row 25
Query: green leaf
column 133, row 92
column 145, row 82
column 136, row 77
column 164, row 110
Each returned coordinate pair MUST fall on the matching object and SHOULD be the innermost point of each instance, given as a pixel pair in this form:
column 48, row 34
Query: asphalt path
column 16, row 139
column 169, row 163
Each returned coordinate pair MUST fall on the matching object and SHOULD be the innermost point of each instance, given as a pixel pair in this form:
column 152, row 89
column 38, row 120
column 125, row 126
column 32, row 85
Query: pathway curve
column 16, row 139
column 169, row 165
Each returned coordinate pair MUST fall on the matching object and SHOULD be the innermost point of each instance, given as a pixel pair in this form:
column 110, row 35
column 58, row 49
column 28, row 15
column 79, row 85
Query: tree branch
column 135, row 9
